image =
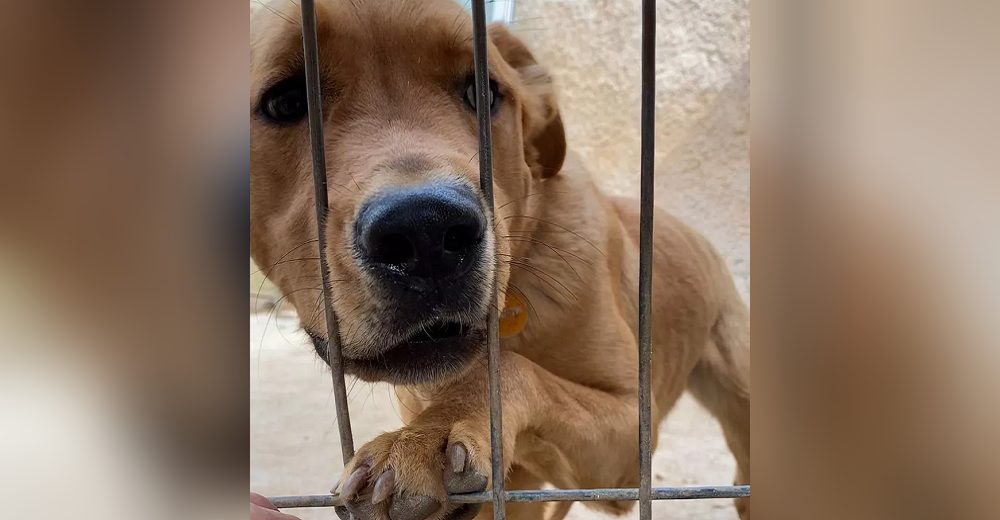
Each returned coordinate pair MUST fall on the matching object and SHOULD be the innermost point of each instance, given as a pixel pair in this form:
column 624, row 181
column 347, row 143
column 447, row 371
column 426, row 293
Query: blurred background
column 123, row 219
column 591, row 48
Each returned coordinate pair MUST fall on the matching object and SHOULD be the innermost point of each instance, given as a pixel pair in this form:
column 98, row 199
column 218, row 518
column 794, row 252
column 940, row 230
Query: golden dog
column 414, row 255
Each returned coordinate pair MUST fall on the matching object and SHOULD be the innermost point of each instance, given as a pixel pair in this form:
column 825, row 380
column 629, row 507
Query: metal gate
column 645, row 493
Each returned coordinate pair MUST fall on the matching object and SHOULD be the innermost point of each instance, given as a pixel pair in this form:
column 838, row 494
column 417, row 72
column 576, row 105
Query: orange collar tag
column 514, row 316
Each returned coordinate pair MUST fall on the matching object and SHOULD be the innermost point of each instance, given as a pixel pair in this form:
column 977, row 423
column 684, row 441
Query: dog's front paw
column 408, row 474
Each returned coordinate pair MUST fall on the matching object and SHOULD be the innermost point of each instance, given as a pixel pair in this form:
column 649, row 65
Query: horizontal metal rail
column 550, row 495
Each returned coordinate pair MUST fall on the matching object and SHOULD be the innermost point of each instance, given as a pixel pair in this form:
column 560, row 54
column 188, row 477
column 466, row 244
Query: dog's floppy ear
column 544, row 137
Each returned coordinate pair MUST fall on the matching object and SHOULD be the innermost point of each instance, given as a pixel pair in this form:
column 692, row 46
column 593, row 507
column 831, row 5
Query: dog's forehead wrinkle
column 410, row 162
column 379, row 36
column 397, row 21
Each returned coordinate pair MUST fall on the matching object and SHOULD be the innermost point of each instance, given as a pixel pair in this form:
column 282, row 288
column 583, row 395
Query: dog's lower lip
column 437, row 331
column 433, row 351
column 447, row 334
column 417, row 359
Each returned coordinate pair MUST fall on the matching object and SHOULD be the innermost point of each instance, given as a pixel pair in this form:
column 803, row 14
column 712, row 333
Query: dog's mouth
column 435, row 350
column 437, row 331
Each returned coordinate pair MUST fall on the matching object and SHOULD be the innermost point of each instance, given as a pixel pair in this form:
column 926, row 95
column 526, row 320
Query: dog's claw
column 353, row 483
column 379, row 491
column 458, row 478
column 413, row 507
column 456, row 457
column 384, row 485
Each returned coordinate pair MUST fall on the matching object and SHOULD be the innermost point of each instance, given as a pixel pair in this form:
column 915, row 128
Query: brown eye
column 470, row 95
column 285, row 102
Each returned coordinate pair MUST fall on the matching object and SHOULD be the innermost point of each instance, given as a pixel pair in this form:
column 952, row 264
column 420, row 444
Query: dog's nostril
column 393, row 249
column 460, row 238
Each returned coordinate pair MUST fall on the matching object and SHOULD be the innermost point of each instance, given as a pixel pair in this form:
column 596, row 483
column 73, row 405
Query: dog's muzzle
column 423, row 250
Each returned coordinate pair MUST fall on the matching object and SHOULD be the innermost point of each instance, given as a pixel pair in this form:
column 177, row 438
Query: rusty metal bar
column 552, row 495
column 314, row 101
column 484, row 116
column 646, row 255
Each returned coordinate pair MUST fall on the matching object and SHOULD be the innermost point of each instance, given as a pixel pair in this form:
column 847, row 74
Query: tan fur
column 569, row 379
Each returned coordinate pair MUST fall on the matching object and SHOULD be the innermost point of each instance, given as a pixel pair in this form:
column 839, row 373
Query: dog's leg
column 407, row 474
column 721, row 382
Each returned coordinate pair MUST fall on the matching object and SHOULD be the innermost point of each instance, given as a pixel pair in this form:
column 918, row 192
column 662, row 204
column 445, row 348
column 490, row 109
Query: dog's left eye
column 285, row 102
column 470, row 95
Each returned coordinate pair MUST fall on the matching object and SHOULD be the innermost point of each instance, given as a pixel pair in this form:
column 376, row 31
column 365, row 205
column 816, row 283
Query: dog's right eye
column 470, row 95
column 285, row 102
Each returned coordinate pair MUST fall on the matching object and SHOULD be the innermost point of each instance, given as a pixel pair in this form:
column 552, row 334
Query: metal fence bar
column 646, row 255
column 483, row 114
column 552, row 495
column 314, row 101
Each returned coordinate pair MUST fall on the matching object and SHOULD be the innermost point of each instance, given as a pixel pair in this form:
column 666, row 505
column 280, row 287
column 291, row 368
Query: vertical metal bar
column 483, row 114
column 646, row 255
column 314, row 101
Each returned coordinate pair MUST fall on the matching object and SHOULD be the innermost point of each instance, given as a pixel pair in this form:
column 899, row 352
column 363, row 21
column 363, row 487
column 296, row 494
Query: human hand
column 262, row 509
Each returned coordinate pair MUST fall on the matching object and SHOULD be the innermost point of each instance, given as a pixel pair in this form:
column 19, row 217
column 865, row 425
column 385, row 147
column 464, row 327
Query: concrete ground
column 294, row 446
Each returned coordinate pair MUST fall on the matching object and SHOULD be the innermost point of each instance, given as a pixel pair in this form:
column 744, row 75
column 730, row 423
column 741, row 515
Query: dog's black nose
column 430, row 231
